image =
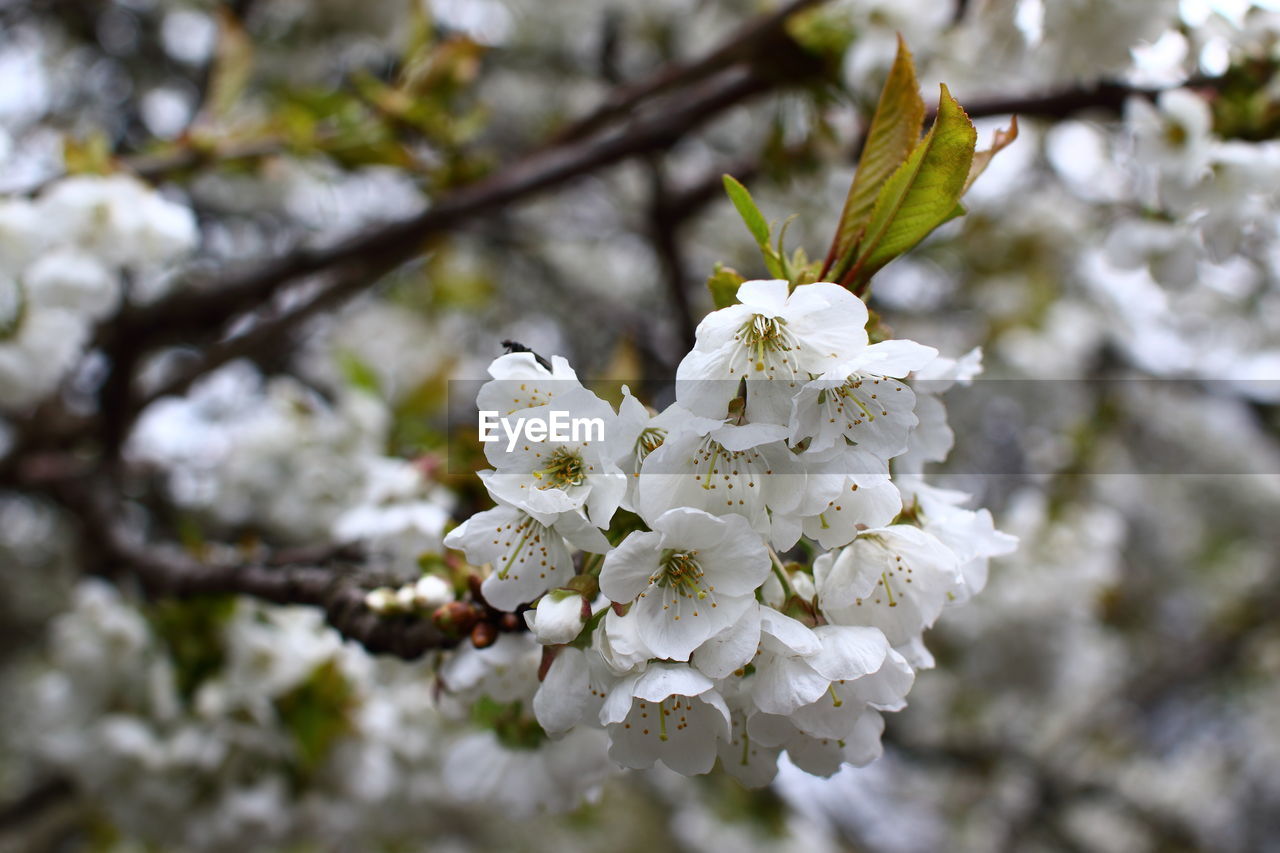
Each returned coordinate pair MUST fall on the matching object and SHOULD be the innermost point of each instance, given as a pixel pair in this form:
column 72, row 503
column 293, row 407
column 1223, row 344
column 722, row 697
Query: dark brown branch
column 664, row 227
column 197, row 311
column 339, row 593
column 34, row 803
column 745, row 46
column 1105, row 97
column 168, row 571
column 266, row 341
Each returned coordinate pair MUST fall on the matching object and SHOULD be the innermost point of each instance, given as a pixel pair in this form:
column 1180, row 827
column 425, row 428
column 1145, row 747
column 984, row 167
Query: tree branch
column 663, row 229
column 199, row 310
column 34, row 803
column 168, row 571
column 744, row 46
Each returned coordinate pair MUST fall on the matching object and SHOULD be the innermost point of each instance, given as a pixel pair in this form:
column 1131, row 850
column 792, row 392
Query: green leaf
column 893, row 134
column 920, row 195
column 803, row 270
column 358, row 373
column 192, row 632
column 747, row 209
column 317, row 713
column 232, row 65
column 774, row 264
column 956, row 212
column 723, row 284
column 1003, row 139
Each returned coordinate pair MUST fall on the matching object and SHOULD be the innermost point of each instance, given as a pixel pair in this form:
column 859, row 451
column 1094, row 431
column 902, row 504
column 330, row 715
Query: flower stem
column 781, row 572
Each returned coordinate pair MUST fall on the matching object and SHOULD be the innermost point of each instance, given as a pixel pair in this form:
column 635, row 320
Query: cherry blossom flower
column 528, row 554
column 689, row 579
column 551, row 477
column 558, row 617
column 895, row 578
column 724, row 469
column 776, row 340
column 668, row 713
column 520, row 382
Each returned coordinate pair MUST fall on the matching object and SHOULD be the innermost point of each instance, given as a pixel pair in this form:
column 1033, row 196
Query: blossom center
column 767, row 340
column 681, row 572
column 564, row 469
column 648, row 441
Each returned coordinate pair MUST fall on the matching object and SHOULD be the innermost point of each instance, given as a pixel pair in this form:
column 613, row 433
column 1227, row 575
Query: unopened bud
column 558, row 618
column 772, row 592
column 405, row 598
column 483, row 635
column 802, row 586
column 455, row 618
column 380, row 600
column 432, row 592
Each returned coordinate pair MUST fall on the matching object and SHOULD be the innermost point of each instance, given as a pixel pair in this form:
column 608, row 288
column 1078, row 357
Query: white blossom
column 551, row 477
column 776, row 341
column 558, row 617
column 668, row 713
column 527, row 554
column 895, row 578
column 689, row 579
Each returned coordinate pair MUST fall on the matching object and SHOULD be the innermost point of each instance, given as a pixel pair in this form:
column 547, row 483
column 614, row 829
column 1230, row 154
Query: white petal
column 628, row 567
column 892, row 358
column 767, row 297
column 849, row 652
column 663, row 680
column 731, row 649
column 618, row 703
column 794, row 635
column 783, row 684
column 561, row 699
column 672, row 625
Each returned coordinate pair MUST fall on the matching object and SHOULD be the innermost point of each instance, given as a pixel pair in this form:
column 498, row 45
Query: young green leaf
column 1003, row 139
column 775, row 264
column 723, row 284
column 747, row 209
column 232, row 66
column 921, row 195
column 893, row 134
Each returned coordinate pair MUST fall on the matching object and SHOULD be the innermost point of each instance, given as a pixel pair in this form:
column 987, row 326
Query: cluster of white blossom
column 703, row 641
column 219, row 715
column 225, row 448
column 65, row 257
column 215, row 725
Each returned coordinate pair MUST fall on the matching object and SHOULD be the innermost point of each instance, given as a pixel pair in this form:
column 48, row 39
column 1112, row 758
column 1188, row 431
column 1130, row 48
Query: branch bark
column 165, row 570
column 196, row 311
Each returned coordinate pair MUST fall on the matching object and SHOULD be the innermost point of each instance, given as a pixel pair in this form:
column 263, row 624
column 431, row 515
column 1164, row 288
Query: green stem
column 592, row 563
column 781, row 572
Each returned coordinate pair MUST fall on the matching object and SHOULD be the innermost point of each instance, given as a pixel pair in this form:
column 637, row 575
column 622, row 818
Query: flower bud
column 802, row 586
column 772, row 592
column 484, row 635
column 380, row 600
column 455, row 618
column 405, row 597
column 559, row 617
column 432, row 592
